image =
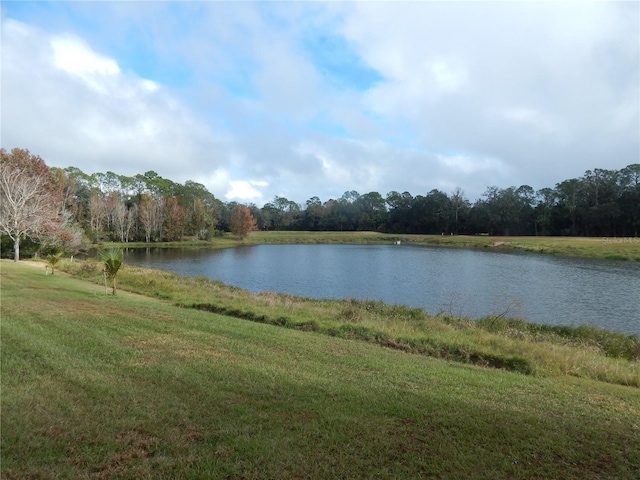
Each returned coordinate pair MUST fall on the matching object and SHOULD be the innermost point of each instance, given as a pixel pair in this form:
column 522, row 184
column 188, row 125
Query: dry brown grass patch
column 154, row 349
column 137, row 445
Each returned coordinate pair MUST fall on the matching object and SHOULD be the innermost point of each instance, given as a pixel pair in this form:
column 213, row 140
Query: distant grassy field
column 604, row 248
column 133, row 386
column 607, row 248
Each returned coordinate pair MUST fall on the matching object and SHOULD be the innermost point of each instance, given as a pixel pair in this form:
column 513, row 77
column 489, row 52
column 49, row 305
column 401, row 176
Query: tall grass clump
column 611, row 344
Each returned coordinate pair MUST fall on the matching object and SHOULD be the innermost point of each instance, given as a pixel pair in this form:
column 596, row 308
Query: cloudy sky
column 303, row 99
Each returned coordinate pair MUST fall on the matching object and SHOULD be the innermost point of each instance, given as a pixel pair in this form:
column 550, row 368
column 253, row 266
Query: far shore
column 625, row 249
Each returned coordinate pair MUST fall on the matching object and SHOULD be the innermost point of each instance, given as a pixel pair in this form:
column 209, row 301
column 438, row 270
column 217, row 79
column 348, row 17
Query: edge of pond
column 610, row 249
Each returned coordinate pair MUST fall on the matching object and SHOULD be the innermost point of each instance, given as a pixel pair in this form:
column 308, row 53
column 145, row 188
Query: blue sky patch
column 339, row 63
column 146, row 63
column 324, row 124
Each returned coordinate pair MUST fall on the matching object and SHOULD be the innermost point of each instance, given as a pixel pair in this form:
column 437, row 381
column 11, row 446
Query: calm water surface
column 540, row 288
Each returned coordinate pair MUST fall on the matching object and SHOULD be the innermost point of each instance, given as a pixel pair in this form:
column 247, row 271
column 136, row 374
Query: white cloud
column 452, row 66
column 75, row 107
column 244, row 190
column 471, row 165
column 470, row 95
column 73, row 55
column 449, row 76
column 531, row 118
column 334, row 170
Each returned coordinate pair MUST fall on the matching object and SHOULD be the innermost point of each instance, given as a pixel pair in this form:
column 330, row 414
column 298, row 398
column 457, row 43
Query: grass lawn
column 96, row 386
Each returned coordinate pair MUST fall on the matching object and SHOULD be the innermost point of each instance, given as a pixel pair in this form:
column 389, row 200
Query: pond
column 539, row 288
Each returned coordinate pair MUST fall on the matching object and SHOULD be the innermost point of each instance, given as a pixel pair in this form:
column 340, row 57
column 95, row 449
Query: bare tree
column 98, row 213
column 150, row 214
column 117, row 212
column 459, row 202
column 146, row 214
column 27, row 206
column 63, row 233
column 130, row 221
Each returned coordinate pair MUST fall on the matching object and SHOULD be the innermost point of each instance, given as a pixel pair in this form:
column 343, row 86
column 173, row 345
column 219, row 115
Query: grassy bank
column 602, row 248
column 605, row 248
column 132, row 386
column 493, row 341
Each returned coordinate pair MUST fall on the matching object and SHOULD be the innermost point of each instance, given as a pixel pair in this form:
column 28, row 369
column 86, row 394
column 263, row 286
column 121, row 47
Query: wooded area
column 55, row 207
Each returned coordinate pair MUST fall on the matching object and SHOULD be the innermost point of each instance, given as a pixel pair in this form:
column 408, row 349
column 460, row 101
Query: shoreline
column 617, row 249
column 497, row 341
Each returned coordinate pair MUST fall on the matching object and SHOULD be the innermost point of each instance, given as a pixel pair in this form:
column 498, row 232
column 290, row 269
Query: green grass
column 97, row 386
column 604, row 248
column 624, row 249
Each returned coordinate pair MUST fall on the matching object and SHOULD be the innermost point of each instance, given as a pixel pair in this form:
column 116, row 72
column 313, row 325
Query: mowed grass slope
column 95, row 386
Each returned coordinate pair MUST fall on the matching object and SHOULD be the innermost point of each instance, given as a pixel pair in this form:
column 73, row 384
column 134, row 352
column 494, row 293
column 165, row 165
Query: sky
column 300, row 99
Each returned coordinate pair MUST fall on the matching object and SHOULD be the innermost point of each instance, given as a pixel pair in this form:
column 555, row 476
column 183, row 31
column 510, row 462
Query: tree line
column 600, row 203
column 72, row 204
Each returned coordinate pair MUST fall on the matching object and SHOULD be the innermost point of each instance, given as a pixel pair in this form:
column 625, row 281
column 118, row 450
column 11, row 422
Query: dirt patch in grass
column 336, row 350
column 135, row 445
column 157, row 349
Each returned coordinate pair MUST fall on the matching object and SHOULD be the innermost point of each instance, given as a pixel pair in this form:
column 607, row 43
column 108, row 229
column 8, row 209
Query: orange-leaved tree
column 242, row 222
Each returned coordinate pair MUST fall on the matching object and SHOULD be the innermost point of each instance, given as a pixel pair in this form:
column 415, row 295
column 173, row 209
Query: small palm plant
column 112, row 261
column 52, row 261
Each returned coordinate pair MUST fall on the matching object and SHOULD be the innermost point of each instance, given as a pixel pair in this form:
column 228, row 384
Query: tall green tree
column 280, row 214
column 569, row 199
column 400, row 211
column 629, row 200
column 372, row 211
column 509, row 209
column 547, row 200
column 314, row 213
